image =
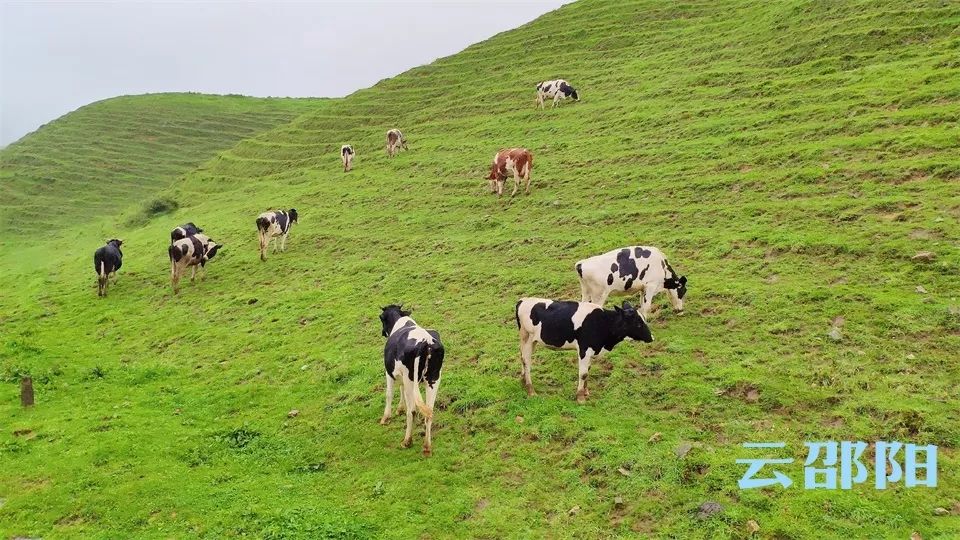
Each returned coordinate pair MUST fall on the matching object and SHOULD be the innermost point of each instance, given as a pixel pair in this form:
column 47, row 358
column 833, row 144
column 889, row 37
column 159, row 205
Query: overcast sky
column 57, row 56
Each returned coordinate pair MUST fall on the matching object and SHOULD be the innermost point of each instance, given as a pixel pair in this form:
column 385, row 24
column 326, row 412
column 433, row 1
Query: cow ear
column 683, row 280
column 626, row 305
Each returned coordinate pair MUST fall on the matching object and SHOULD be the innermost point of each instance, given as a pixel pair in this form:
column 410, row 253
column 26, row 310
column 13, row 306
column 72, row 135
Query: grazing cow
column 275, row 223
column 395, row 141
column 627, row 270
column 346, row 154
column 586, row 327
column 106, row 261
column 556, row 90
column 414, row 354
column 518, row 161
column 191, row 251
column 183, row 231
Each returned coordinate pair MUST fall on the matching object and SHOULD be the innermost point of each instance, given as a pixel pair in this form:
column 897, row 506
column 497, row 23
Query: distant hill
column 107, row 155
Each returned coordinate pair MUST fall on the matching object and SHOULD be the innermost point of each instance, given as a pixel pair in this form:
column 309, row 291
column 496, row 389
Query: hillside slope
column 118, row 152
column 789, row 157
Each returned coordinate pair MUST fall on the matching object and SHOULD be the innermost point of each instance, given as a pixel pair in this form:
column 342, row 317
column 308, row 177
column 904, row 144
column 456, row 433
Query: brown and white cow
column 518, row 161
column 346, row 155
column 395, row 141
column 192, row 251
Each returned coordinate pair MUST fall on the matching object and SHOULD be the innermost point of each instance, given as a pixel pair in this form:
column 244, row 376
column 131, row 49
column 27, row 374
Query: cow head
column 631, row 323
column 210, row 252
column 390, row 315
column 293, row 215
column 574, row 94
column 115, row 242
column 678, row 289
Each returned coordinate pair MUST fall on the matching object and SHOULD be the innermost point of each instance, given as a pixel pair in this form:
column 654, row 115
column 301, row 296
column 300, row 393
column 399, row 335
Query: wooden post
column 26, row 392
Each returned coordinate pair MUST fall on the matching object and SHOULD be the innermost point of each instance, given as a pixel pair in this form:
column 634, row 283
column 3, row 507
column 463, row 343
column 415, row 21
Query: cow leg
column 601, row 298
column 283, row 244
column 193, row 273
column 527, row 345
column 556, row 99
column 527, row 189
column 174, row 278
column 584, row 365
column 516, row 182
column 585, row 295
column 499, row 188
column 431, row 399
column 647, row 306
column 408, row 390
column 386, row 408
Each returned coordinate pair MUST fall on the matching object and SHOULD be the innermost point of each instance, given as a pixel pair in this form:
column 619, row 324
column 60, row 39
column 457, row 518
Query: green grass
column 789, row 157
column 124, row 149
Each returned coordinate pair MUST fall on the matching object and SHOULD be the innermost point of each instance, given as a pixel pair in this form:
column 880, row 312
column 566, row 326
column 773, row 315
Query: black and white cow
column 583, row 326
column 275, row 223
column 413, row 354
column 631, row 269
column 106, row 261
column 192, row 251
column 346, row 155
column 556, row 90
column 183, row 231
column 395, row 141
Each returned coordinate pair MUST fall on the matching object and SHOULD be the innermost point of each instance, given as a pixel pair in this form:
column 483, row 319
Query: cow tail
column 526, row 169
column 103, row 269
column 516, row 313
column 424, row 352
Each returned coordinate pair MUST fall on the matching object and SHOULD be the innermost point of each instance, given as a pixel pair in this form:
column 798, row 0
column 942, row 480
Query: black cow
column 106, row 261
column 183, row 231
column 414, row 354
column 586, row 327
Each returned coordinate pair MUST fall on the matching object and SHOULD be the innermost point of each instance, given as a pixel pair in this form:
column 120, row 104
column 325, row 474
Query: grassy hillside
column 789, row 157
column 115, row 152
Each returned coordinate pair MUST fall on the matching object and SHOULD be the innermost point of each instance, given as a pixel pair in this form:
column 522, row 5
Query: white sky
column 56, row 56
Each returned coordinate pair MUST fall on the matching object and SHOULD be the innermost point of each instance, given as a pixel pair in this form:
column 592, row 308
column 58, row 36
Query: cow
column 275, row 223
column 414, row 354
column 586, row 327
column 395, row 141
column 192, row 251
column 518, row 161
column 346, row 154
column 631, row 269
column 556, row 90
column 183, row 231
column 106, row 261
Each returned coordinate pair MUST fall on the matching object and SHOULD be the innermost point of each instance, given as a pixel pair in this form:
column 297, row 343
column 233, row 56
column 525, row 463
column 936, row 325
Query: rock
column 911, row 356
column 708, row 509
column 921, row 290
column 618, row 502
column 924, row 256
column 252, row 301
column 683, row 450
column 519, row 419
column 655, row 437
column 574, row 511
column 940, row 511
column 835, row 334
column 625, row 472
column 915, row 536
column 753, row 526
column 304, row 367
column 838, row 322
column 293, row 413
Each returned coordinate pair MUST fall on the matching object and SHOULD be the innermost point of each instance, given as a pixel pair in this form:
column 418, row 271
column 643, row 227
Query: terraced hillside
column 790, row 157
column 121, row 151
